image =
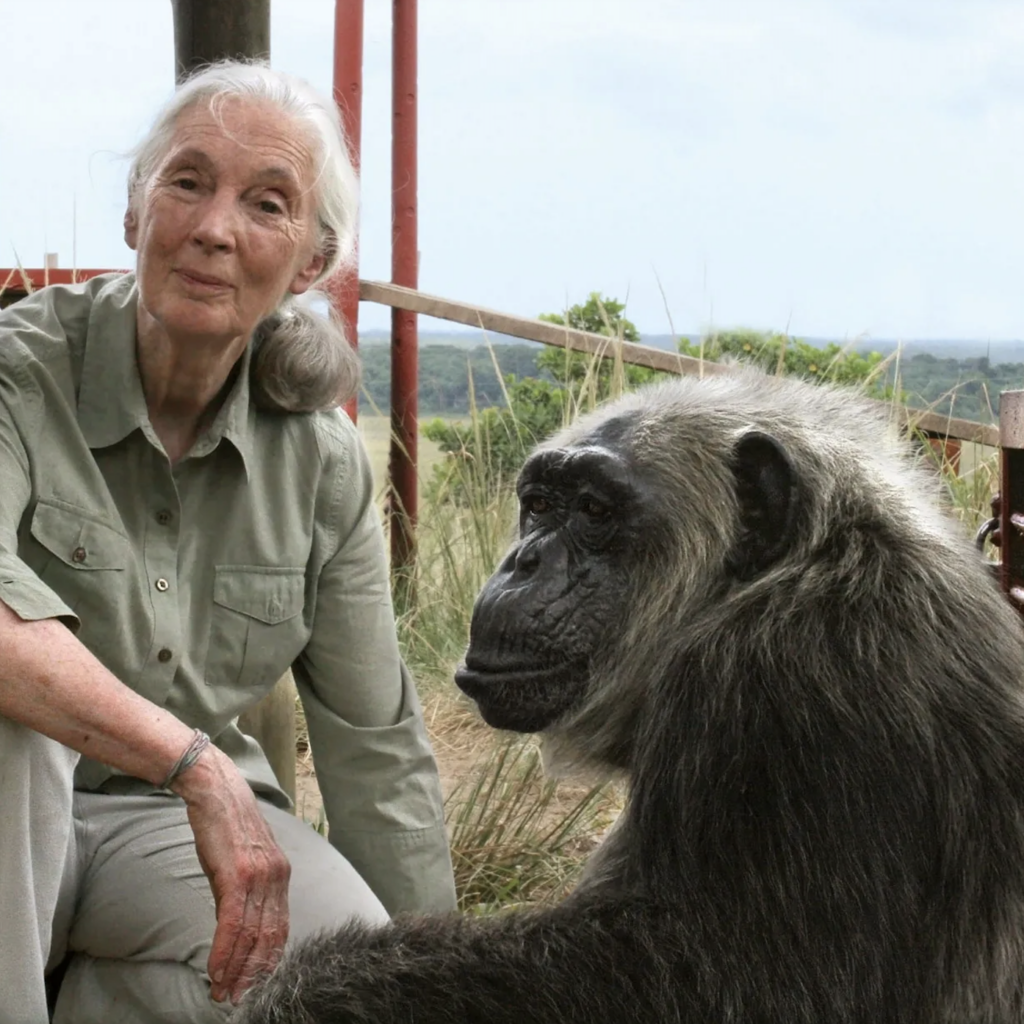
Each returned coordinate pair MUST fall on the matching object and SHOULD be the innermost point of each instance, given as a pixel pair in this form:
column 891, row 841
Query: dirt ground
column 461, row 740
column 459, row 737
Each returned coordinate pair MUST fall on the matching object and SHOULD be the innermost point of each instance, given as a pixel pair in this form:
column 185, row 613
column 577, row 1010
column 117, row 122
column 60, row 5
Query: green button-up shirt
column 198, row 584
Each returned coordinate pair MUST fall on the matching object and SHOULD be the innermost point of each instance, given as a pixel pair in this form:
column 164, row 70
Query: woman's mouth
column 205, row 282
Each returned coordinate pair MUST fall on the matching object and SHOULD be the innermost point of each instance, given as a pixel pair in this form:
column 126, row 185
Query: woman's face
column 224, row 227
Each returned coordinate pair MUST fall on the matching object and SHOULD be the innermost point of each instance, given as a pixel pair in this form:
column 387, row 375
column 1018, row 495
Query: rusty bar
column 404, row 271
column 348, row 95
column 28, row 279
column 1011, row 491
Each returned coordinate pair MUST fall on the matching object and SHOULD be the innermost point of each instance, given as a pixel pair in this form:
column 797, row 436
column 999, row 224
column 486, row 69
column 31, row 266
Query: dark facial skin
column 544, row 614
column 559, row 598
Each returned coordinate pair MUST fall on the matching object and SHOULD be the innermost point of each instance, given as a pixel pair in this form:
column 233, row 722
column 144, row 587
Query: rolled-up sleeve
column 20, row 588
column 374, row 763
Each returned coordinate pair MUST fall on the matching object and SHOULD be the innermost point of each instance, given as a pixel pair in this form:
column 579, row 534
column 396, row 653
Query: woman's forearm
column 51, row 683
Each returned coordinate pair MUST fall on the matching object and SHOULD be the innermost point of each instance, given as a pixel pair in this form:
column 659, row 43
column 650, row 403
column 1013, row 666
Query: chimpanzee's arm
column 584, row 963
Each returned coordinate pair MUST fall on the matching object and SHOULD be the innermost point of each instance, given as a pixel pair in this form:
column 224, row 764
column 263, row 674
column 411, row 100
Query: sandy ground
column 461, row 740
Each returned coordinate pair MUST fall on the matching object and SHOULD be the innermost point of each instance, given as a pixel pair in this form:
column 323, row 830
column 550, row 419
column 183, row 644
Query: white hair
column 335, row 186
column 302, row 360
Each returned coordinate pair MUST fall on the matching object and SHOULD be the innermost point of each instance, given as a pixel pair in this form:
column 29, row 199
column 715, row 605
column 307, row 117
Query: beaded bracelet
column 200, row 741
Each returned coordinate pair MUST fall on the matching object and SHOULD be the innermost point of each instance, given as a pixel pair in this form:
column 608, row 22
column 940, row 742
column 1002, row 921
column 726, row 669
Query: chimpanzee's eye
column 594, row 509
column 535, row 504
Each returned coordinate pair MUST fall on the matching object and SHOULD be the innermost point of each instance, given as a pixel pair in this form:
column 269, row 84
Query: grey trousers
column 113, row 883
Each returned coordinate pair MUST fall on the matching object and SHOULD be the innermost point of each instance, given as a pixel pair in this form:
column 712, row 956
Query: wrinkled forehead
column 249, row 136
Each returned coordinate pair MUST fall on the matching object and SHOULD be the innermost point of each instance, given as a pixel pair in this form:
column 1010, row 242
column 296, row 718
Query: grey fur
column 826, row 812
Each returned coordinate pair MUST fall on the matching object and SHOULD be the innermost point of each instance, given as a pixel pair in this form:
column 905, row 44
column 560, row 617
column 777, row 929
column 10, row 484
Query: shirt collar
column 110, row 400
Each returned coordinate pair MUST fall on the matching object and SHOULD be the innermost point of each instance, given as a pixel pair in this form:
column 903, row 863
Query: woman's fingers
column 267, row 909
column 248, row 874
column 220, row 965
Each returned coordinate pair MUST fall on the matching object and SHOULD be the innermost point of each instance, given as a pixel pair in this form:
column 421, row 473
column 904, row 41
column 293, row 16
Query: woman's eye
column 187, row 184
column 269, row 206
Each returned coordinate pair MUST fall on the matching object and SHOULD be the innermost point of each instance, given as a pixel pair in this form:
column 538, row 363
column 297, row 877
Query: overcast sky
column 835, row 167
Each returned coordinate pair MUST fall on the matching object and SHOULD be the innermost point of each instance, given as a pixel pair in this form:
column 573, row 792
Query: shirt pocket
column 256, row 627
column 82, row 560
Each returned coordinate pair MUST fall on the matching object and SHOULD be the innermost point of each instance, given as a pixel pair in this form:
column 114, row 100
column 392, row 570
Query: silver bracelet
column 200, row 741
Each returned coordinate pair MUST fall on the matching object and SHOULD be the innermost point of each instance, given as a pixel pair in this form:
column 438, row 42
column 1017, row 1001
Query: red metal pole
column 404, row 271
column 1011, row 495
column 348, row 95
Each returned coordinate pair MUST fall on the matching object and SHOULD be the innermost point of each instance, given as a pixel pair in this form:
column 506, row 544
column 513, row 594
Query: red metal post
column 348, row 95
column 404, row 271
column 1011, row 495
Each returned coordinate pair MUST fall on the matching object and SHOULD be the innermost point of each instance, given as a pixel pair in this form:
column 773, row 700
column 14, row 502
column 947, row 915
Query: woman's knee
column 325, row 890
column 102, row 991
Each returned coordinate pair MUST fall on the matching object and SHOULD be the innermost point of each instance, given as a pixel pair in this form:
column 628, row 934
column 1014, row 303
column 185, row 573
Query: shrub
column 496, row 440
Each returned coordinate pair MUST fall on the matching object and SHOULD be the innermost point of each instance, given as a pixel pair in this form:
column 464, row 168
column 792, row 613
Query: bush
column 491, row 447
column 585, row 379
column 494, row 443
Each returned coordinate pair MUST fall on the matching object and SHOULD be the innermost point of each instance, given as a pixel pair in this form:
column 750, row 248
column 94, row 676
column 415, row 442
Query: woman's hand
column 51, row 683
column 247, row 871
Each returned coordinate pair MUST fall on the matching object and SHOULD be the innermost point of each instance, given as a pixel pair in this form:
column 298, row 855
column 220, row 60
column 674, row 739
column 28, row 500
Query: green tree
column 586, row 379
column 488, row 451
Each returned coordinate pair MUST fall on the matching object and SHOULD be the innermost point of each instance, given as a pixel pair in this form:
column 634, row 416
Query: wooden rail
column 929, row 423
column 533, row 330
column 936, row 425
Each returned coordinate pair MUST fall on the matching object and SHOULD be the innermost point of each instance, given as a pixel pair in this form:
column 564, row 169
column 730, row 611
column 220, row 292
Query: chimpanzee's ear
column 766, row 492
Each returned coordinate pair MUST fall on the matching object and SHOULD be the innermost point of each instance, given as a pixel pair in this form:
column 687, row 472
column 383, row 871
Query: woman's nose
column 216, row 222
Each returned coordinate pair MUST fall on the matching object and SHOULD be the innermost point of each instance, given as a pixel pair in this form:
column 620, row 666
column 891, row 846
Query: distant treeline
column 445, row 372
column 967, row 388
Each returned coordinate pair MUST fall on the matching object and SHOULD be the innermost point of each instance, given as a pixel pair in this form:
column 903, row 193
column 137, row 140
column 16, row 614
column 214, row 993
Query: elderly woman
column 184, row 514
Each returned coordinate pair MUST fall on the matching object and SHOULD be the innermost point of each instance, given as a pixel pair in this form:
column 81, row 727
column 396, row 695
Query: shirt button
column 165, row 654
column 78, row 555
column 162, row 584
column 164, row 516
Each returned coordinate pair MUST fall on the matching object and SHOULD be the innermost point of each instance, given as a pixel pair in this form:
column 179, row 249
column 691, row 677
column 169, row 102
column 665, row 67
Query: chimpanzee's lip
column 519, row 698
column 477, row 677
column 510, row 670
